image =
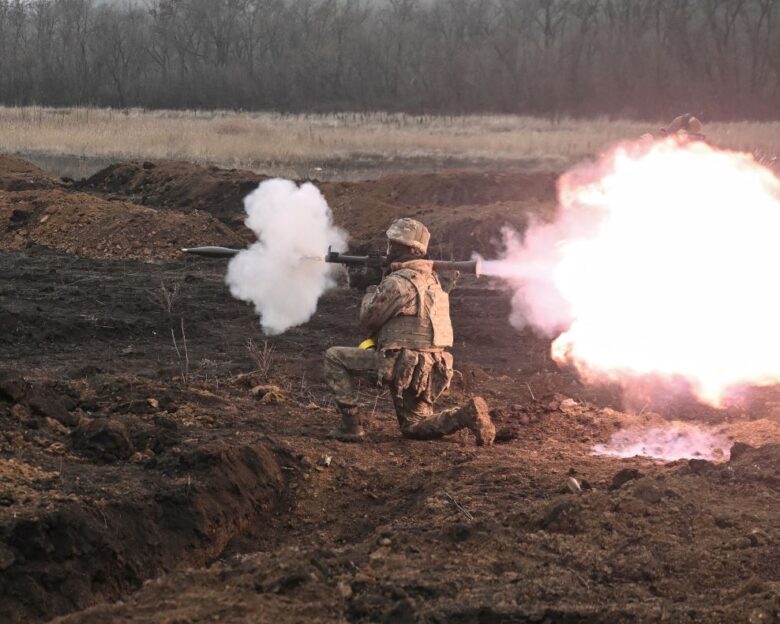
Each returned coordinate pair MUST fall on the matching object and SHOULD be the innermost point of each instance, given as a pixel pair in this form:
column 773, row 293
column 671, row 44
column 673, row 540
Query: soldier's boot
column 351, row 428
column 474, row 415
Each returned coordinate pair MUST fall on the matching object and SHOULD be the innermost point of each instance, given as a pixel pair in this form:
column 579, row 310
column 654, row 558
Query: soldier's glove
column 361, row 278
column 449, row 283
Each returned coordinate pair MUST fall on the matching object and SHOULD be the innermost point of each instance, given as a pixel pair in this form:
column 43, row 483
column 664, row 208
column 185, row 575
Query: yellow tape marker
column 368, row 343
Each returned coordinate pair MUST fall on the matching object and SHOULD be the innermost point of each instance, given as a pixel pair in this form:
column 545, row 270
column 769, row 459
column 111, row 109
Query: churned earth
column 157, row 466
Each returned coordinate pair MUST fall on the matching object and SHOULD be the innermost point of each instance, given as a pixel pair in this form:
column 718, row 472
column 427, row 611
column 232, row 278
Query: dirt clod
column 739, row 449
column 7, row 557
column 506, row 434
column 269, row 394
column 57, row 448
column 563, row 515
column 12, row 388
column 623, row 476
column 700, row 466
column 104, row 439
column 344, row 590
column 759, row 537
column 56, row 426
column 647, row 491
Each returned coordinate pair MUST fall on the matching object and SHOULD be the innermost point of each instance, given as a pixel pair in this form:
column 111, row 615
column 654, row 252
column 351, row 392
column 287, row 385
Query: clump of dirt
column 185, row 187
column 83, row 224
column 19, row 175
column 756, row 464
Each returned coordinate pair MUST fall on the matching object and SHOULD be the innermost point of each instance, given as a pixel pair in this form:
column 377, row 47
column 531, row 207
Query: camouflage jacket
column 408, row 309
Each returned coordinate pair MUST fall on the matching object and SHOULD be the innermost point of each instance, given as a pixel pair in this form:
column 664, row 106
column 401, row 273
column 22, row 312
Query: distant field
column 308, row 144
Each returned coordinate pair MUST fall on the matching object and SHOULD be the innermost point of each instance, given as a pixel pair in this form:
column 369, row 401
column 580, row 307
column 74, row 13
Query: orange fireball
column 662, row 262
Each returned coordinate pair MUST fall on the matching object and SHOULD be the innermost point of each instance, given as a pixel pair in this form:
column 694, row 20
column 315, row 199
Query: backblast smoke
column 660, row 263
column 676, row 440
column 283, row 274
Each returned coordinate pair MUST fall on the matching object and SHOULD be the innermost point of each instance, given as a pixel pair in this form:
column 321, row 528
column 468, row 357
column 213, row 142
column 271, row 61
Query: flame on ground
column 661, row 262
column 671, row 442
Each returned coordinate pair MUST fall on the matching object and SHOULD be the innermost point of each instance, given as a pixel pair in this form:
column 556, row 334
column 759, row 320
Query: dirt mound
column 456, row 232
column 19, row 175
column 434, row 545
column 179, row 185
column 464, row 210
column 82, row 224
column 449, row 188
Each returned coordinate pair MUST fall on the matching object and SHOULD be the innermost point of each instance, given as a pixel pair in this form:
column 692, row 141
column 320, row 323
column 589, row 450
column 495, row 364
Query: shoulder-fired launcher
column 334, row 257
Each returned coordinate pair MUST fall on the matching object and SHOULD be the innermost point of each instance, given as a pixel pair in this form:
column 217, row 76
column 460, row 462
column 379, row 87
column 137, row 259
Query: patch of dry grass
column 257, row 140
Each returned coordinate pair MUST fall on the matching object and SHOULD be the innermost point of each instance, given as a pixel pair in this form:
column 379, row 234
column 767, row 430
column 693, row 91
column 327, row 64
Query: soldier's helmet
column 410, row 233
column 685, row 124
column 695, row 127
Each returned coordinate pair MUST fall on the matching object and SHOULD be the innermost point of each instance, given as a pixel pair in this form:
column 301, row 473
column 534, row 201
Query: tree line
column 634, row 58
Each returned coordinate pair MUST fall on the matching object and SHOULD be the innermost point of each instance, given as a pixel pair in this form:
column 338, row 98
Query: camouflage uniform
column 408, row 315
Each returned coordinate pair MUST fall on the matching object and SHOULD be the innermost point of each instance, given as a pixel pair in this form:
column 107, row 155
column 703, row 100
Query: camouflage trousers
column 414, row 409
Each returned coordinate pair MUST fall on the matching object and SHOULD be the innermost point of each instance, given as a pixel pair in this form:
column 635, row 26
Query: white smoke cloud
column 527, row 267
column 677, row 440
column 283, row 274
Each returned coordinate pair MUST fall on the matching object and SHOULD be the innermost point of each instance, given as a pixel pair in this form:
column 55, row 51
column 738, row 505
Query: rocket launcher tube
column 334, row 257
column 441, row 266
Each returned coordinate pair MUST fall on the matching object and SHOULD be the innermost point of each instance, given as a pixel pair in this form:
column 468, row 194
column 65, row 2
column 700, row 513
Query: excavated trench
column 79, row 554
column 135, row 473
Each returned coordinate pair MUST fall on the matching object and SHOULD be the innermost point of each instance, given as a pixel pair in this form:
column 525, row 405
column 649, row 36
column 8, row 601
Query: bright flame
column 661, row 262
column 674, row 441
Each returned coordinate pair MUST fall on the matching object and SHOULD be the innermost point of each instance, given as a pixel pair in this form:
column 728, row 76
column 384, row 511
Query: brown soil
column 177, row 185
column 19, row 175
column 90, row 226
column 463, row 209
column 126, row 456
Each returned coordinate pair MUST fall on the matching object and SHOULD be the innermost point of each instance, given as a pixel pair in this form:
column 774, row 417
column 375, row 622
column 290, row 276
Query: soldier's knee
column 332, row 359
column 333, row 367
column 335, row 354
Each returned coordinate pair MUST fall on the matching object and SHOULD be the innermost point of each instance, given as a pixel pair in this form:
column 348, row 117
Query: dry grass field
column 289, row 144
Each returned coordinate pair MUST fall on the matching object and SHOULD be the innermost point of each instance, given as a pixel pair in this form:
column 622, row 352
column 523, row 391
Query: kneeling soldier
column 408, row 315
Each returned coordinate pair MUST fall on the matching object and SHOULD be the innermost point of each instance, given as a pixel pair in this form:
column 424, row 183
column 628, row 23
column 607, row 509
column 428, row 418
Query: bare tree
column 554, row 57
